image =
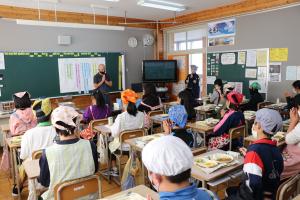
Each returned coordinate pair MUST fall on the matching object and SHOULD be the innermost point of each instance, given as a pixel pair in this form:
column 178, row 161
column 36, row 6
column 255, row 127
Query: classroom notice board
column 38, row 72
column 232, row 67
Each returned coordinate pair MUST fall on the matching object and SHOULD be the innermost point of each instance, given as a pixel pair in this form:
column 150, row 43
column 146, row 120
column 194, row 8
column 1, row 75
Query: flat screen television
column 159, row 71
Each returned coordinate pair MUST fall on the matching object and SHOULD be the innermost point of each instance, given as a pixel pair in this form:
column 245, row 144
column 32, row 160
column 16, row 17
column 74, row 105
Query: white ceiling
column 118, row 8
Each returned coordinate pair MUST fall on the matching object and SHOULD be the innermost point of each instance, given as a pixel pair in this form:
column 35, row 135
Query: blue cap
column 270, row 120
column 178, row 115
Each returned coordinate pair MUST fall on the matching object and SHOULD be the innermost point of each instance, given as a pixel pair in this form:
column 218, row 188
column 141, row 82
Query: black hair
column 100, row 102
column 296, row 84
column 179, row 178
column 149, row 89
column 296, row 101
column 70, row 129
column 23, row 102
column 219, row 82
column 40, row 115
column 131, row 109
column 187, row 99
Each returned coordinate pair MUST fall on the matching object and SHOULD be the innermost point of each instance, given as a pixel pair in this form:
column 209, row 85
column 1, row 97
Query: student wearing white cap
column 169, row 161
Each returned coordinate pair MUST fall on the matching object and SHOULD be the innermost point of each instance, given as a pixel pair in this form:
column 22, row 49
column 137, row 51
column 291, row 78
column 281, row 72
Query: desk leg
column 204, row 137
column 12, row 170
column 204, row 184
column 16, row 172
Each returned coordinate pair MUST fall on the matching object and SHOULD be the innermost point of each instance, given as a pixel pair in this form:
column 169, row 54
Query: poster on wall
column 2, row 61
column 222, row 28
column 275, row 72
column 291, row 73
column 262, row 58
column 241, row 57
column 250, row 73
column 279, row 54
column 76, row 74
column 262, row 73
column 223, row 41
column 251, row 58
column 228, row 58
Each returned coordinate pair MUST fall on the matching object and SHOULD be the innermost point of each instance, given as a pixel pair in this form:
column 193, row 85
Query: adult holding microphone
column 102, row 82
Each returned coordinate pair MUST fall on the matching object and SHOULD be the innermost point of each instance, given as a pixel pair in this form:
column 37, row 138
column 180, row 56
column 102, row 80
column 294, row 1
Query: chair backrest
column 37, row 154
column 263, row 104
column 98, row 122
column 199, row 151
column 289, row 189
column 84, row 187
column 155, row 112
column 130, row 134
column 236, row 133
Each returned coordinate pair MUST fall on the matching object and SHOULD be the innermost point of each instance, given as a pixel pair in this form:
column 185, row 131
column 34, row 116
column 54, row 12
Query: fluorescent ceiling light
column 68, row 25
column 112, row 0
column 160, row 4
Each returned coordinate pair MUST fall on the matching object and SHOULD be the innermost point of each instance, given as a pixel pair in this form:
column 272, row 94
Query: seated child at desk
column 255, row 97
column 188, row 100
column 263, row 161
column 169, row 161
column 58, row 163
column 38, row 137
column 23, row 118
column 175, row 125
column 130, row 119
column 217, row 94
column 292, row 151
column 98, row 109
column 289, row 97
column 150, row 100
column 232, row 118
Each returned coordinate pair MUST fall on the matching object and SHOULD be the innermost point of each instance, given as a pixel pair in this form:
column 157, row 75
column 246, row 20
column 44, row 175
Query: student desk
column 200, row 175
column 141, row 190
column 32, row 169
column 168, row 105
column 204, row 111
column 4, row 123
column 158, row 119
column 203, row 129
column 250, row 139
column 13, row 147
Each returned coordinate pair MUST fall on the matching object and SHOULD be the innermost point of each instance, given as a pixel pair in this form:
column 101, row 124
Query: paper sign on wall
column 2, row 61
column 279, row 54
column 262, row 58
column 262, row 73
column 291, row 73
column 210, row 79
column 251, row 58
column 228, row 58
column 250, row 73
column 275, row 72
column 263, row 84
column 241, row 57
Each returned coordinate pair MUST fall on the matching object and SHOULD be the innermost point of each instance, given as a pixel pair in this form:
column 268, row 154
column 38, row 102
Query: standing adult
column 102, row 82
column 192, row 82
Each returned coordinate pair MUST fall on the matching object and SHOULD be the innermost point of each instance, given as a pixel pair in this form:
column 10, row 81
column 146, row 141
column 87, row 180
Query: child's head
column 65, row 120
column 149, row 89
column 97, row 98
column 22, row 100
column 233, row 100
column 296, row 87
column 42, row 110
column 178, row 115
column 129, row 98
column 168, row 160
column 218, row 84
column 194, row 69
column 254, row 87
column 267, row 123
column 228, row 87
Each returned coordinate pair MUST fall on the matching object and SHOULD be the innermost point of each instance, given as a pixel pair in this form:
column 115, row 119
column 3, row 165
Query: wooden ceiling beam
column 12, row 12
column 246, row 6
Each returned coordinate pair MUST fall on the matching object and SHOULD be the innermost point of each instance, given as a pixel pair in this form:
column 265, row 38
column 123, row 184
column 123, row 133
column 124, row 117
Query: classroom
column 149, row 100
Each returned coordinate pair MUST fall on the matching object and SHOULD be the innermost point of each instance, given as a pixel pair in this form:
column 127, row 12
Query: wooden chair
column 125, row 135
column 236, row 133
column 289, row 189
column 199, row 151
column 84, row 187
column 263, row 104
column 98, row 122
column 37, row 154
column 153, row 113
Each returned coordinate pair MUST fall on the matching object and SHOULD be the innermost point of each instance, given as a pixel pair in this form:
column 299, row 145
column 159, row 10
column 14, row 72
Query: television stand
column 162, row 92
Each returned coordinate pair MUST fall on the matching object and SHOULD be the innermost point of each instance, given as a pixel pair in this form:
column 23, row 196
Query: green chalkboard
column 37, row 72
column 228, row 73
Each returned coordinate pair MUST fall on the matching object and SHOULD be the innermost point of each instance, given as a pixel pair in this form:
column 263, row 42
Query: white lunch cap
column 167, row 156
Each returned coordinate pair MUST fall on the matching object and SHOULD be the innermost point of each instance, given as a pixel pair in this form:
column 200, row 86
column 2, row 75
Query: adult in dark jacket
column 255, row 97
column 193, row 82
